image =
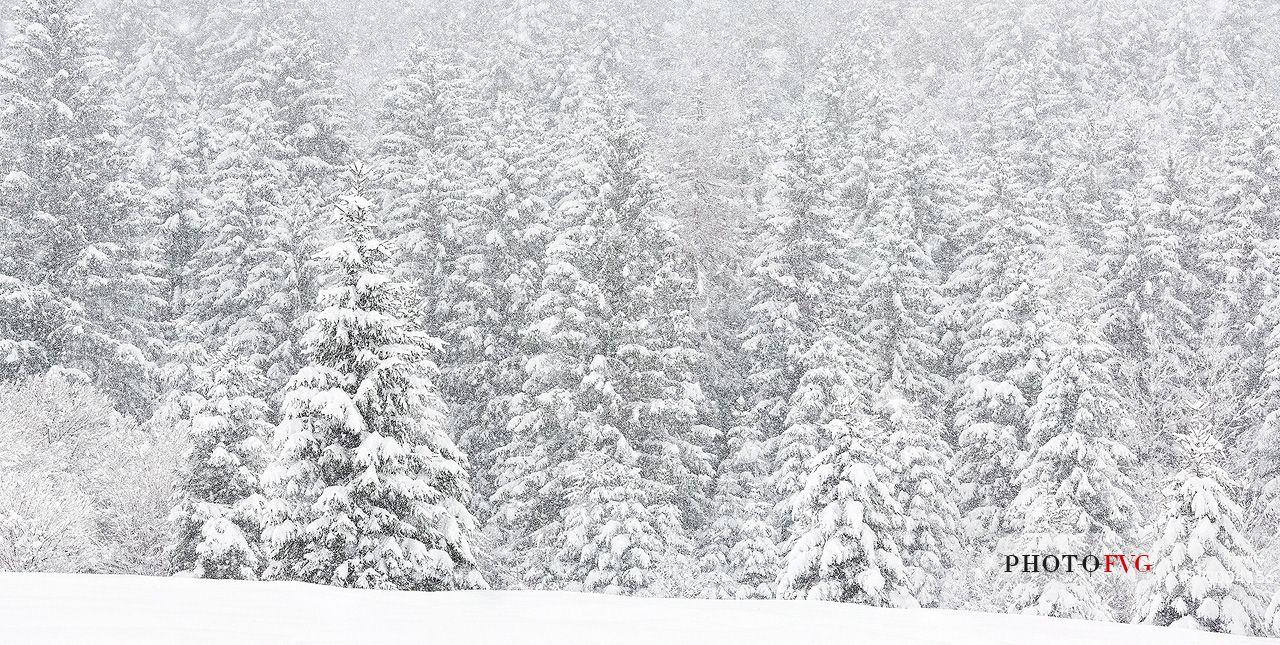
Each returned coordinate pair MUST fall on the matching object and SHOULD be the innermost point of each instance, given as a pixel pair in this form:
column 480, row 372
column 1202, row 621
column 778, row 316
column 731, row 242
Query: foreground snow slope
column 53, row 608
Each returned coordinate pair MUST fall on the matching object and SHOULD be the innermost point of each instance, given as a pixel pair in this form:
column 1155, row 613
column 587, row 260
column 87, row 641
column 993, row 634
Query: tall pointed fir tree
column 219, row 504
column 801, row 283
column 922, row 479
column 280, row 145
column 421, row 164
column 1262, row 445
column 70, row 226
column 606, row 468
column 1001, row 302
column 487, row 293
column 367, row 490
column 1243, row 236
column 740, row 557
column 309, row 108
column 846, row 517
column 1220, row 71
column 838, row 511
column 1204, row 566
column 1025, row 87
column 898, row 294
column 1074, row 494
column 1243, row 252
column 802, row 366
column 171, row 144
column 1000, row 297
column 1142, row 305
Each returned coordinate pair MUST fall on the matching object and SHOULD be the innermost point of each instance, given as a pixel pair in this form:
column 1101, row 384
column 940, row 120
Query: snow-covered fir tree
column 421, row 161
column 71, row 228
column 898, row 295
column 740, row 556
column 1075, row 495
column 1242, row 239
column 171, row 145
column 1204, row 565
column 1142, row 306
column 801, row 283
column 923, row 470
column 847, row 518
column 501, row 237
column 217, row 517
column 280, row 145
column 606, row 468
column 1262, row 443
column 1002, row 309
column 1243, row 258
column 367, row 490
column 1146, row 304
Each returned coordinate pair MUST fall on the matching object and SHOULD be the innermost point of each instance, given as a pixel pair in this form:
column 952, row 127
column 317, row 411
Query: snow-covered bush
column 82, row 488
column 46, row 523
column 135, row 498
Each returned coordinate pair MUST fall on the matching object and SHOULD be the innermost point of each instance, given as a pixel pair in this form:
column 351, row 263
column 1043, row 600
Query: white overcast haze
column 763, row 321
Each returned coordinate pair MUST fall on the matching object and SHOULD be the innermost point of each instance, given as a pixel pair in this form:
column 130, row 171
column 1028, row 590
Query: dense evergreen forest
column 704, row 298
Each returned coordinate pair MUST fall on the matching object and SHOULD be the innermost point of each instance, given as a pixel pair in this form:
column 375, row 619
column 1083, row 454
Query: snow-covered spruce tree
column 606, row 463
column 1000, row 297
column 242, row 262
column 1075, row 495
column 171, row 144
column 310, row 127
column 1242, row 241
column 276, row 52
column 1144, row 305
column 367, row 490
column 70, row 224
column 830, row 399
column 501, row 237
column 280, row 144
column 183, row 375
column 420, row 161
column 1143, row 283
column 1217, row 379
column 1243, row 252
column 1024, row 83
column 1262, row 445
column 1001, row 303
column 310, row 115
column 597, row 51
column 248, row 202
column 1204, row 566
column 923, row 468
column 217, row 515
column 532, row 34
column 898, row 294
column 846, row 515
column 1219, row 74
column 740, row 554
column 800, row 283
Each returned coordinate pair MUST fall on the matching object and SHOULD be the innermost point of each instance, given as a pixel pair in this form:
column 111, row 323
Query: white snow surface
column 36, row 609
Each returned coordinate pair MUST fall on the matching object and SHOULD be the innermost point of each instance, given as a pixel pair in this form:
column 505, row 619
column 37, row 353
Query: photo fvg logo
column 1071, row 562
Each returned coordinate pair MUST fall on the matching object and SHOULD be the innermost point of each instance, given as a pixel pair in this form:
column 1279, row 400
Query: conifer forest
column 723, row 299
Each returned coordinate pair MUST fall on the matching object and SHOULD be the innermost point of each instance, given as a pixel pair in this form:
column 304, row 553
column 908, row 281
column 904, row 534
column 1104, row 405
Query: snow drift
column 38, row 609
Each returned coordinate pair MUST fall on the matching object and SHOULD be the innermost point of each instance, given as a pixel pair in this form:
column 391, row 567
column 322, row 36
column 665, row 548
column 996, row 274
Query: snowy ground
column 36, row 609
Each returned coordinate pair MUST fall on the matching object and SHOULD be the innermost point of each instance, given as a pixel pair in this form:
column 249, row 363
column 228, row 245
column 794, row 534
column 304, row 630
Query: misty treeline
column 827, row 300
